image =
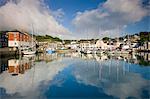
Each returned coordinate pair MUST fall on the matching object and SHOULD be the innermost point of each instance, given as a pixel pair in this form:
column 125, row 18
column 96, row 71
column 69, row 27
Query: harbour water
column 74, row 75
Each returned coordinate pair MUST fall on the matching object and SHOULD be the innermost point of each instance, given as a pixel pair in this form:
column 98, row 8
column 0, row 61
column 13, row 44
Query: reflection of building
column 16, row 66
column 3, row 65
column 29, row 82
column 13, row 66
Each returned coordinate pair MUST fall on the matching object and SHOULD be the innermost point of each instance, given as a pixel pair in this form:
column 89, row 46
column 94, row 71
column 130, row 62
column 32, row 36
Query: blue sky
column 75, row 19
column 143, row 25
column 71, row 7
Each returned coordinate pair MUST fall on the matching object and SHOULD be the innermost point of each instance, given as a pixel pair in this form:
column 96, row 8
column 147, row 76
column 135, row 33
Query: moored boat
column 27, row 52
column 50, row 51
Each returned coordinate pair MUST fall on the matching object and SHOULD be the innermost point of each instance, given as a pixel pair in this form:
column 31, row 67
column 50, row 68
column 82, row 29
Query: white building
column 101, row 45
column 87, row 45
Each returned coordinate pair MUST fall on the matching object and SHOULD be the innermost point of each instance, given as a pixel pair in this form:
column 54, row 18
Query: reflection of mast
column 117, row 69
column 95, row 65
column 110, row 63
column 100, row 71
column 32, row 35
column 124, row 71
column 33, row 73
column 128, row 66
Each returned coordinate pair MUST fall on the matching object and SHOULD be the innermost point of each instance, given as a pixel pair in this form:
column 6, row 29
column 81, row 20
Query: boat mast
column 32, row 35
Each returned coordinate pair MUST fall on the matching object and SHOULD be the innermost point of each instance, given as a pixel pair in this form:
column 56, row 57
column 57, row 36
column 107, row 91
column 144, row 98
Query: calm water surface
column 75, row 76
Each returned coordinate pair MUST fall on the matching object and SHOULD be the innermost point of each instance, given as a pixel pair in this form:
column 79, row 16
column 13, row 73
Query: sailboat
column 30, row 50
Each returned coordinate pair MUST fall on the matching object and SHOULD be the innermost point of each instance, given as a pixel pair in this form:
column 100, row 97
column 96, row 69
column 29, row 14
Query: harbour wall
column 8, row 52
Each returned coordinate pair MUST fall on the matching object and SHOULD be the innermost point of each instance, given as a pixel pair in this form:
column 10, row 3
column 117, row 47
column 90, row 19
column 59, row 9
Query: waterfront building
column 3, row 39
column 18, row 39
column 145, row 46
column 101, row 45
column 73, row 45
column 87, row 46
column 10, row 41
column 42, row 46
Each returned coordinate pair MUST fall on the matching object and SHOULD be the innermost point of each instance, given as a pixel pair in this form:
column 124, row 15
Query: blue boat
column 50, row 51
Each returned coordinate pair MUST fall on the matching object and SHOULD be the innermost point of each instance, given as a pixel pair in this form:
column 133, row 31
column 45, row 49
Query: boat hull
column 28, row 52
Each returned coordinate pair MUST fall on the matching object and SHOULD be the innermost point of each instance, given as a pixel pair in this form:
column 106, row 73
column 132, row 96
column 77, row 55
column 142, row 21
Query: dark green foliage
column 47, row 38
column 144, row 37
column 67, row 41
column 142, row 61
column 106, row 39
column 121, row 38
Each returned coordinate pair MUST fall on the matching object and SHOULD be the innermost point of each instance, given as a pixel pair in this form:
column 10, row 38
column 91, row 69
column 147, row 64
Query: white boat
column 88, row 52
column 27, row 52
column 31, row 50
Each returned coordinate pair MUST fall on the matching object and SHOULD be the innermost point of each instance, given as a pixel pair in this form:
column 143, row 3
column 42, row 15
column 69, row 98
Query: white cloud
column 22, row 13
column 29, row 85
column 109, row 18
column 58, row 15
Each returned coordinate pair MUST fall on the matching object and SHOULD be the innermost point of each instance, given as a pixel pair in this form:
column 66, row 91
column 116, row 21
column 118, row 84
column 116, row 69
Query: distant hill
column 47, row 38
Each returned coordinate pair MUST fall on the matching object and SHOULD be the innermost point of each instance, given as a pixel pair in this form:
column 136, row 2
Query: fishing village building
column 10, row 41
column 18, row 39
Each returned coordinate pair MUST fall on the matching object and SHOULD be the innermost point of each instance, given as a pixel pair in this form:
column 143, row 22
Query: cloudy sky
column 75, row 19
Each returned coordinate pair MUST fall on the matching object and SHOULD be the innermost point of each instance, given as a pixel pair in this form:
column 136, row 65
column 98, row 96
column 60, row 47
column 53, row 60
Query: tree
column 106, row 39
column 144, row 37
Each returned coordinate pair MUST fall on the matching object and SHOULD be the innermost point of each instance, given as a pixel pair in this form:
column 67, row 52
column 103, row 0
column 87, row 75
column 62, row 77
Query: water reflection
column 141, row 58
column 115, row 79
column 74, row 75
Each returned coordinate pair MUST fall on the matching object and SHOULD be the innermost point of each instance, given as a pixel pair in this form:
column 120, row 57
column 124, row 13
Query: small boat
column 88, row 52
column 29, row 55
column 28, row 52
column 50, row 50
